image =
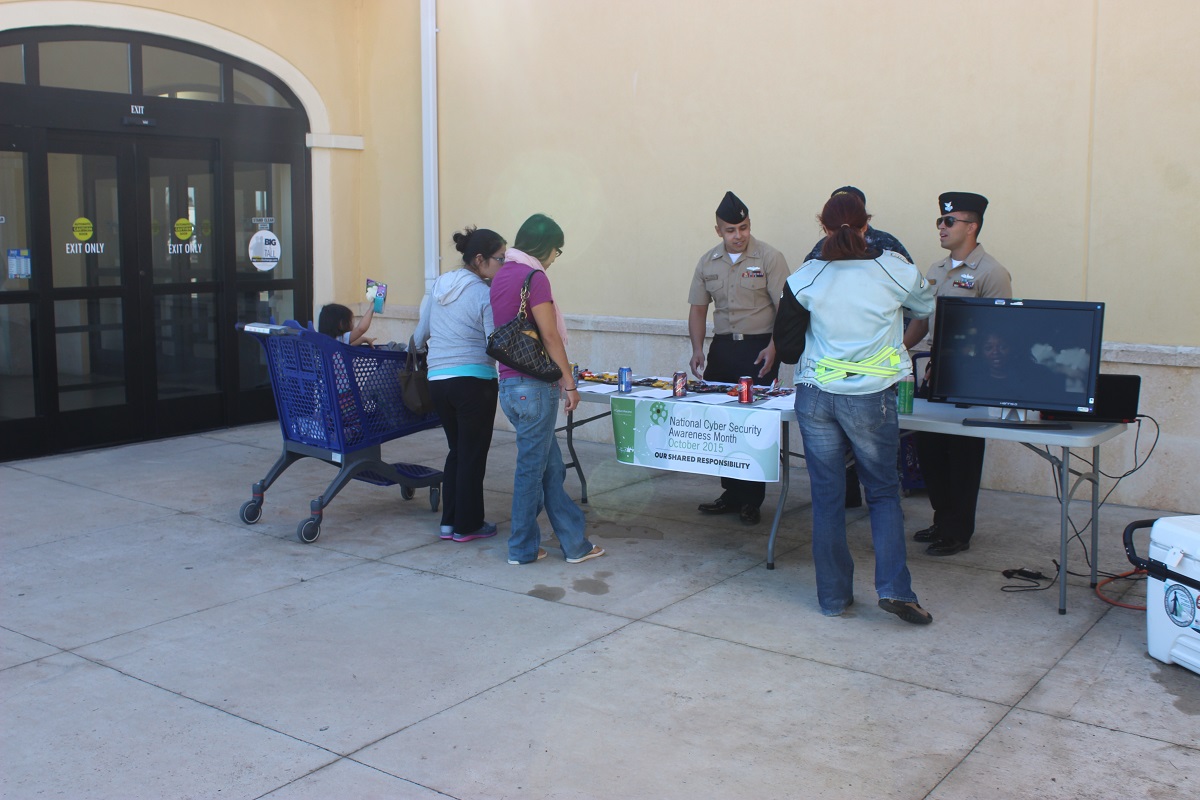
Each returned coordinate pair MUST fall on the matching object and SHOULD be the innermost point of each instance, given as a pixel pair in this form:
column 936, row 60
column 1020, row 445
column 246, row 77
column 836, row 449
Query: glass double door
column 133, row 283
column 133, row 244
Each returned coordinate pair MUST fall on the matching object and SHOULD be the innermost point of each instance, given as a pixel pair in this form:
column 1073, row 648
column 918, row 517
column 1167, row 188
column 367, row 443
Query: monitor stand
column 1017, row 419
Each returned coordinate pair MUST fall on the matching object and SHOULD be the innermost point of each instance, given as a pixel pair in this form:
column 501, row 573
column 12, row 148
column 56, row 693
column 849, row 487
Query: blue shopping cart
column 337, row 403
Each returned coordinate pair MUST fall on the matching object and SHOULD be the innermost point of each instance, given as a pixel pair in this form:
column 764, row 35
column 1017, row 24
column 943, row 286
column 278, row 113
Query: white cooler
column 1172, row 588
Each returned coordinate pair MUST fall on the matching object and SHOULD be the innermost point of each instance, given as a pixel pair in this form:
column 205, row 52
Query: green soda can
column 904, row 395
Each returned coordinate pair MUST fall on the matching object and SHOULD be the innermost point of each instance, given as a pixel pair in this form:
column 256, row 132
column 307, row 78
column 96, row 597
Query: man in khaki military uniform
column 743, row 279
column 952, row 466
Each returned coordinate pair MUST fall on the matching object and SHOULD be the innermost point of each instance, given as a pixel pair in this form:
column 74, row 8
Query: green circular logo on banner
column 83, row 229
column 658, row 413
column 183, row 229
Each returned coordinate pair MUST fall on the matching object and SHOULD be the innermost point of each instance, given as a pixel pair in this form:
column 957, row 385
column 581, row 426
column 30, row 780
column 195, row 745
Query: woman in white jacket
column 456, row 319
column 842, row 317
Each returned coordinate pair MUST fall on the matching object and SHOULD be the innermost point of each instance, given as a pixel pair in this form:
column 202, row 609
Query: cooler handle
column 1156, row 569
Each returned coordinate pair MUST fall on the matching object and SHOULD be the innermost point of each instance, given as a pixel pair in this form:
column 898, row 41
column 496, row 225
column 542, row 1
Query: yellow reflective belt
column 834, row 369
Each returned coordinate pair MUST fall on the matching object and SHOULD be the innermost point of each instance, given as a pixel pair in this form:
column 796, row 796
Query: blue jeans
column 868, row 423
column 532, row 408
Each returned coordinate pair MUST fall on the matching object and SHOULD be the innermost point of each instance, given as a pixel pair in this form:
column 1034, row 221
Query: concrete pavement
column 153, row 646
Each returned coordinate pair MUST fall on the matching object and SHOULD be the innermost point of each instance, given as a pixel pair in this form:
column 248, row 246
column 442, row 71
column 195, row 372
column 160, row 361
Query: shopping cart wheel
column 251, row 512
column 407, row 492
column 435, row 497
column 309, row 530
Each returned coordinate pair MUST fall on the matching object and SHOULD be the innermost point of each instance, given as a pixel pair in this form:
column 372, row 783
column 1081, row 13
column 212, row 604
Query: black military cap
column 854, row 190
column 962, row 201
column 732, row 209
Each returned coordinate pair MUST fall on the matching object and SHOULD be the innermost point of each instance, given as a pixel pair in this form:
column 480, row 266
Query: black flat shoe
column 749, row 515
column 929, row 534
column 718, row 506
column 945, row 547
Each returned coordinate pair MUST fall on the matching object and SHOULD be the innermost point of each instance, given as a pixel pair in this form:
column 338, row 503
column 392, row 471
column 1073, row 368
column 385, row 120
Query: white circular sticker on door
column 264, row 251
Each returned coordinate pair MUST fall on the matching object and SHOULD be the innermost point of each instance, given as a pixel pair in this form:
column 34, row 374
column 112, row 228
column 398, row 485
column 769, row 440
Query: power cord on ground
column 1133, row 574
column 1030, row 580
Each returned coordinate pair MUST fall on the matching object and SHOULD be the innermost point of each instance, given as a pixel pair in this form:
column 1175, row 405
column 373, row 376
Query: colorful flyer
column 381, row 289
column 20, row 265
column 378, row 295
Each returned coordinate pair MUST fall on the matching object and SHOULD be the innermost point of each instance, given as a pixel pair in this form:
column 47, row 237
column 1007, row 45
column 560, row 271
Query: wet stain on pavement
column 1180, row 682
column 590, row 586
column 545, row 592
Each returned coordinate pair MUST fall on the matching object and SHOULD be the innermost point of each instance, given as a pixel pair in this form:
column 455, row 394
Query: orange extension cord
column 1112, row 602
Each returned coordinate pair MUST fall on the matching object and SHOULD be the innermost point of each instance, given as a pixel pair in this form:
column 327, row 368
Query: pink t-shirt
column 506, row 299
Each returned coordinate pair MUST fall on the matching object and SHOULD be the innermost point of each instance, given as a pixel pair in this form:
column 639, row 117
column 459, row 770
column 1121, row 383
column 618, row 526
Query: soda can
column 679, row 384
column 904, row 395
column 574, row 372
column 745, row 389
column 625, row 380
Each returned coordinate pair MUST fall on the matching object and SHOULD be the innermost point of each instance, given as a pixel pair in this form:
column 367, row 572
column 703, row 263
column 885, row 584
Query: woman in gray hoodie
column 456, row 319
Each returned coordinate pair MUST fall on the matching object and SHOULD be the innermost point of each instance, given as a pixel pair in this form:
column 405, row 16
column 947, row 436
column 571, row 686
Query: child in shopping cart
column 338, row 321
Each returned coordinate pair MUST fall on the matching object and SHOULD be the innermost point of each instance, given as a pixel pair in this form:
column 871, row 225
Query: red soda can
column 745, row 389
column 679, row 384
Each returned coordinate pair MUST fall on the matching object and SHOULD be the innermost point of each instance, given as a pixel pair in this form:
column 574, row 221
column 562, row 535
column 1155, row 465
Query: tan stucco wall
column 627, row 121
column 1146, row 172
column 390, row 216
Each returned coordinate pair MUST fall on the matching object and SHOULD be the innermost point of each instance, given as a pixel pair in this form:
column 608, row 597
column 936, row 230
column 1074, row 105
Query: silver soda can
column 625, row 380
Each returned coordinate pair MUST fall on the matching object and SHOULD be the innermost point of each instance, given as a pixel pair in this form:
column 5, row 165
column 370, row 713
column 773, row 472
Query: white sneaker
column 595, row 552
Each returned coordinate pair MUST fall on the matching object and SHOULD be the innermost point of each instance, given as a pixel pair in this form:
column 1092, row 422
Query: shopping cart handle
column 1156, row 569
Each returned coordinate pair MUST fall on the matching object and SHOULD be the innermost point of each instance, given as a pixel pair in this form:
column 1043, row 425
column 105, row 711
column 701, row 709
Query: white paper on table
column 708, row 399
column 785, row 403
column 652, row 393
column 596, row 388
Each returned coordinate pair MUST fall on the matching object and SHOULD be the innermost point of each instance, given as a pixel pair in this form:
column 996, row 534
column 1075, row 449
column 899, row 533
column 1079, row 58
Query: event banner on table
column 727, row 440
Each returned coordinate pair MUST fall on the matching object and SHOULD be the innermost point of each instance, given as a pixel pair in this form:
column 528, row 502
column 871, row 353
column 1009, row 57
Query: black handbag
column 518, row 345
column 414, row 383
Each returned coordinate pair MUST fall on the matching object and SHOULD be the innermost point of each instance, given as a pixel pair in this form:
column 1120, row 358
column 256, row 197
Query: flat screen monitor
column 1017, row 355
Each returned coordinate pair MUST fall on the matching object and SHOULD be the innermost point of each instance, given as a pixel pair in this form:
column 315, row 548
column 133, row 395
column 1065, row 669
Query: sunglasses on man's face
column 949, row 221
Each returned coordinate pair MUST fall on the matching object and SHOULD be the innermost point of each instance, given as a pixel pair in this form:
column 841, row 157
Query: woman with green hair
column 531, row 405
